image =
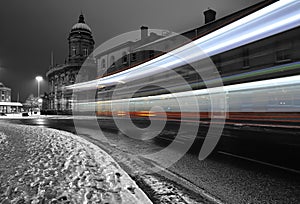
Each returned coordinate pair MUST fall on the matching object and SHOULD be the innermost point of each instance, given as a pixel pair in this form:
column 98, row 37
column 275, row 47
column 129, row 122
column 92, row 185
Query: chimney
column 209, row 15
column 144, row 32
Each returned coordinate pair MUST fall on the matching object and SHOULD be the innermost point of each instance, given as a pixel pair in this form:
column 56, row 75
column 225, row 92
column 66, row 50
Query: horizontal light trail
column 269, row 21
column 259, row 91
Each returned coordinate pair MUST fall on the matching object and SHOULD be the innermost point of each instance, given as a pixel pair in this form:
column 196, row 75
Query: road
column 221, row 178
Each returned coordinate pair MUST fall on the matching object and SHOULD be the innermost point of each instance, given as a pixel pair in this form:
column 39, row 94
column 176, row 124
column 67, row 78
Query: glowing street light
column 39, row 79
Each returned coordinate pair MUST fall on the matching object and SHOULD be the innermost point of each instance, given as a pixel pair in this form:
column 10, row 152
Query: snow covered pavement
column 41, row 165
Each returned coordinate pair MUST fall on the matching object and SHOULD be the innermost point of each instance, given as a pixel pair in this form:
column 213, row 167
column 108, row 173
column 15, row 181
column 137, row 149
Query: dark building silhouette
column 5, row 93
column 130, row 53
column 6, row 106
column 245, row 63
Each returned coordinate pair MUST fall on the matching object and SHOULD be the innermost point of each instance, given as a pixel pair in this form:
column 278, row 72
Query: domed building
column 80, row 46
column 81, row 43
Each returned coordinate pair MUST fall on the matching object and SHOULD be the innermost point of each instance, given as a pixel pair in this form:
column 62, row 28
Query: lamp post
column 39, row 79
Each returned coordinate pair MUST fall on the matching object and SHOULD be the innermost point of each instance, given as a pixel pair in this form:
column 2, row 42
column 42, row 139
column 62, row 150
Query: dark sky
column 31, row 29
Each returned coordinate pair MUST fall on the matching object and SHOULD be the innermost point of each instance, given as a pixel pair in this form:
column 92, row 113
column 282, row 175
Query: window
column 246, row 57
column 3, row 96
column 70, row 104
column 133, row 57
column 73, row 51
column 124, row 58
column 62, row 78
column 67, row 78
column 151, row 53
column 112, row 61
column 282, row 55
column 85, row 52
column 55, row 79
column 103, row 63
column 283, row 51
column 72, row 78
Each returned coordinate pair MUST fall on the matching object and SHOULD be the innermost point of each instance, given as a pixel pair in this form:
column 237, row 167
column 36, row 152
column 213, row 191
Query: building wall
column 125, row 55
column 59, row 99
column 5, row 94
column 113, row 59
column 144, row 49
column 81, row 45
column 273, row 51
column 257, row 57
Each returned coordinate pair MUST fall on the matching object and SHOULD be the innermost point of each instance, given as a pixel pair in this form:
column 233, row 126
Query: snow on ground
column 41, row 165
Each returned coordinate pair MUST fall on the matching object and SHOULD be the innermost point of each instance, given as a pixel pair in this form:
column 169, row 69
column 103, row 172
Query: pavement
column 43, row 165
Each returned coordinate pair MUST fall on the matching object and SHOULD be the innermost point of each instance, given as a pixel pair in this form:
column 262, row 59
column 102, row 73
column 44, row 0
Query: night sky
column 31, row 29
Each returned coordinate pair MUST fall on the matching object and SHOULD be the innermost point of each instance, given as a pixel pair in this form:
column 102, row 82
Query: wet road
column 228, row 179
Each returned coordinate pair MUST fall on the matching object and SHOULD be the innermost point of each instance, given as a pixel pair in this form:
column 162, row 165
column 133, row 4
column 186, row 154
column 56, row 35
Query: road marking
column 261, row 162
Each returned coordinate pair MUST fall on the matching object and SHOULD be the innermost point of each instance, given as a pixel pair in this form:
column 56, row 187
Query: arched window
column 103, row 63
column 112, row 61
column 72, row 78
column 124, row 58
column 73, row 51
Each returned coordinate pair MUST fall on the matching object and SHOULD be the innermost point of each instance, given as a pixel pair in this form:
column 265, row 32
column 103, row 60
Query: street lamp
column 39, row 79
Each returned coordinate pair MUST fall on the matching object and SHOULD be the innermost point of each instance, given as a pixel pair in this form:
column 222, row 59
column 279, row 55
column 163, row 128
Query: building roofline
column 114, row 48
column 236, row 15
column 231, row 18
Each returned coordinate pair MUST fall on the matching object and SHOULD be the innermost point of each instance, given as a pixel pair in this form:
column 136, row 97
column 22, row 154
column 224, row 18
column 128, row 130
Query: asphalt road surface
column 224, row 177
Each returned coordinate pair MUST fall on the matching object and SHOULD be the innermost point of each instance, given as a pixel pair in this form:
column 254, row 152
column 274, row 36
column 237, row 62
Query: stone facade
column 80, row 46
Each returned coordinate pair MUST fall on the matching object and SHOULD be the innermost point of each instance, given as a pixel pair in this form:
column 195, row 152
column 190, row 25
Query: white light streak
column 273, row 19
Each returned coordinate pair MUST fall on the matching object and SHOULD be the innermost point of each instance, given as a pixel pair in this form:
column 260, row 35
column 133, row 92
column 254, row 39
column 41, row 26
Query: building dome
column 81, row 25
column 1, row 85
